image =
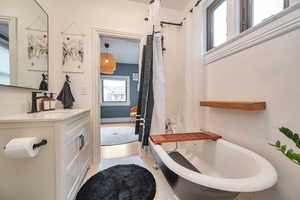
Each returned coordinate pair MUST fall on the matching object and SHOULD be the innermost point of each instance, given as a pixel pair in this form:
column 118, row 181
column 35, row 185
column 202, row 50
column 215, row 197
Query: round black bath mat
column 121, row 182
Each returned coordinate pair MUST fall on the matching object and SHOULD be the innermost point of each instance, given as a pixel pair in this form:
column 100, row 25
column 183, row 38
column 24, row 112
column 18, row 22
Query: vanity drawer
column 74, row 144
column 71, row 124
column 74, row 172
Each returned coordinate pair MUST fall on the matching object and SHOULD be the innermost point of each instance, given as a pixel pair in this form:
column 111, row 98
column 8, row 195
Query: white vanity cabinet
column 60, row 167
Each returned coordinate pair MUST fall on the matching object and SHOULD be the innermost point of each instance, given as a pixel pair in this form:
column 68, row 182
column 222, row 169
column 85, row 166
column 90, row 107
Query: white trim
column 95, row 113
column 128, row 94
column 117, row 120
column 284, row 22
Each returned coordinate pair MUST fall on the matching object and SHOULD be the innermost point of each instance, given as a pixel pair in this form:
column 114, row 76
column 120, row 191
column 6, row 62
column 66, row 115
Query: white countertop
column 56, row 115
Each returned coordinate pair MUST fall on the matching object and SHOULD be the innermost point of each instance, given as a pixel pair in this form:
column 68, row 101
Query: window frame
column 209, row 22
column 246, row 13
column 128, row 92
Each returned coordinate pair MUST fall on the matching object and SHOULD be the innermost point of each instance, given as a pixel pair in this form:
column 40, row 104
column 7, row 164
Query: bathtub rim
column 264, row 179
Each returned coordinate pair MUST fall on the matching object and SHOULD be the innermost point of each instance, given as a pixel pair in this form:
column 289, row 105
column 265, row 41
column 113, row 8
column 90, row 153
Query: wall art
column 37, row 50
column 72, row 50
column 73, row 53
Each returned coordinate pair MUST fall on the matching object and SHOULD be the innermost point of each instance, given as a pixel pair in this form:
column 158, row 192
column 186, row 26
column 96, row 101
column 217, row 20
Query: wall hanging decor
column 37, row 45
column 72, row 50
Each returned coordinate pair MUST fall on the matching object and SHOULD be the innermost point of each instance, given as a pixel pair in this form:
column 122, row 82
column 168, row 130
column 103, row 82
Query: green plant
column 295, row 157
column 293, row 136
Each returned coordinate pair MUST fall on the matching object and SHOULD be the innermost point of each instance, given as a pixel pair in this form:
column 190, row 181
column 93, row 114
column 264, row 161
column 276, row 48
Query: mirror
column 23, row 44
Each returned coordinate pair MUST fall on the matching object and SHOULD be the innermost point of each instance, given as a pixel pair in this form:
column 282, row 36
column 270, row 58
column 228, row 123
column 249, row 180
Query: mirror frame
column 15, row 45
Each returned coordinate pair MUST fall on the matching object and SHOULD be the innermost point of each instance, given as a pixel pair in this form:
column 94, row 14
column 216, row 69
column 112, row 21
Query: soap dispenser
column 45, row 103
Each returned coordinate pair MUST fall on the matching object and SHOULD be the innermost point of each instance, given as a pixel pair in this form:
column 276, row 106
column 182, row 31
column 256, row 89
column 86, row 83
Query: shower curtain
column 190, row 116
column 151, row 106
column 146, row 97
column 159, row 84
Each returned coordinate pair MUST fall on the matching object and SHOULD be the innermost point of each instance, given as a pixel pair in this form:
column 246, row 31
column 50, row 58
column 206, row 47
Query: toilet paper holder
column 42, row 143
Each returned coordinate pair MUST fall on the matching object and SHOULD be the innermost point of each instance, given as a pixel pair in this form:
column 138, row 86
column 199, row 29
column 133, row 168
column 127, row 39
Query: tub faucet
column 169, row 127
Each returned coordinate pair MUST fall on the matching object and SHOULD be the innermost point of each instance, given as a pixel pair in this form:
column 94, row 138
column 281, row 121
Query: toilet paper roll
column 19, row 148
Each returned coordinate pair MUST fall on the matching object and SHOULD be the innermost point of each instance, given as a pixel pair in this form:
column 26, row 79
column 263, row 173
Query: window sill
column 284, row 22
column 115, row 104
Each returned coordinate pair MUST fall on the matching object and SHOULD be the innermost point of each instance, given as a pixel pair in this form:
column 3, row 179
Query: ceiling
column 173, row 4
column 124, row 51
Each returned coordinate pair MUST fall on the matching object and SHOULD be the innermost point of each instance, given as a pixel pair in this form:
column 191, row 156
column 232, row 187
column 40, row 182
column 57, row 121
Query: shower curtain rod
column 166, row 23
column 196, row 5
column 170, row 23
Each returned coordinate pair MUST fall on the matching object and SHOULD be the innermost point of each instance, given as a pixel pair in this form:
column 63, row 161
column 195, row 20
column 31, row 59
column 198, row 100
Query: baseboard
column 117, row 120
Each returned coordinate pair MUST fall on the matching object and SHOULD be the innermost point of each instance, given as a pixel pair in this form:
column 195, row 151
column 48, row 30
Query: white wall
column 116, row 15
column 14, row 100
column 267, row 72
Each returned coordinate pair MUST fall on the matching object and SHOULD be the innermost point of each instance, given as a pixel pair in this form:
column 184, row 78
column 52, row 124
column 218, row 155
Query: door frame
column 97, row 32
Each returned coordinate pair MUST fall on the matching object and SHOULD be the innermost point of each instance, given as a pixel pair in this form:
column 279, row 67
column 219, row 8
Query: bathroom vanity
column 56, row 173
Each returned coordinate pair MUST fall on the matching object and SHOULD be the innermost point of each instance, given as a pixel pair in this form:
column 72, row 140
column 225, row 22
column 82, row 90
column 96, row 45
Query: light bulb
column 106, row 61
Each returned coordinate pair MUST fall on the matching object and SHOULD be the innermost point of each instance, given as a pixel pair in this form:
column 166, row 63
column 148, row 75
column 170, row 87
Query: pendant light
column 107, row 62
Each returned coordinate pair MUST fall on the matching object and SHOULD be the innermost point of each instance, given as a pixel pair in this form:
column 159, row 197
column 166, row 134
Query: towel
column 44, row 83
column 66, row 97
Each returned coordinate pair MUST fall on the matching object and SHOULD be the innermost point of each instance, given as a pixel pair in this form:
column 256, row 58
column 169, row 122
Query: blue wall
column 123, row 111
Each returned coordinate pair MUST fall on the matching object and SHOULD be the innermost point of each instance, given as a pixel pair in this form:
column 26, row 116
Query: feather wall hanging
column 37, row 45
column 72, row 50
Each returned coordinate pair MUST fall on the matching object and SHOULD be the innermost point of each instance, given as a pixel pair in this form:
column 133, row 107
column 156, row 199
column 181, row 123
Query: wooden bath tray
column 182, row 137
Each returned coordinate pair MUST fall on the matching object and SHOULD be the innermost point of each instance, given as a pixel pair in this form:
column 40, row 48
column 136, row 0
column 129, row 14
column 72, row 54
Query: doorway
column 118, row 89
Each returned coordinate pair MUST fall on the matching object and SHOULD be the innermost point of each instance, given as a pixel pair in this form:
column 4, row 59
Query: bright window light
column 263, row 9
column 4, row 65
column 115, row 90
column 220, row 24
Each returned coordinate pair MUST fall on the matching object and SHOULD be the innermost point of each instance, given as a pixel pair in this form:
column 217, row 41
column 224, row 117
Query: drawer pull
column 81, row 140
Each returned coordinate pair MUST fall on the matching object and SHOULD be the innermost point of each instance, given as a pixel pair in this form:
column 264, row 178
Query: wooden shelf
column 242, row 105
column 182, row 137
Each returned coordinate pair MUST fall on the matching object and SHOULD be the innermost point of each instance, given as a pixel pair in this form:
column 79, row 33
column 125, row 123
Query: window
column 254, row 12
column 216, row 23
column 115, row 90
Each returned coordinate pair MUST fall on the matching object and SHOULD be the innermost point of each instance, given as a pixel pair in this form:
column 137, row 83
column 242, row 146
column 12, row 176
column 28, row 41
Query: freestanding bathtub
column 212, row 170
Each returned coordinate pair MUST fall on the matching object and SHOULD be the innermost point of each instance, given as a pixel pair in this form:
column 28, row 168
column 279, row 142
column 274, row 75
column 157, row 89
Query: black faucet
column 34, row 101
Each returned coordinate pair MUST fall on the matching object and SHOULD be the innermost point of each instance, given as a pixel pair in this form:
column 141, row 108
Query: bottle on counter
column 52, row 102
column 45, row 103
